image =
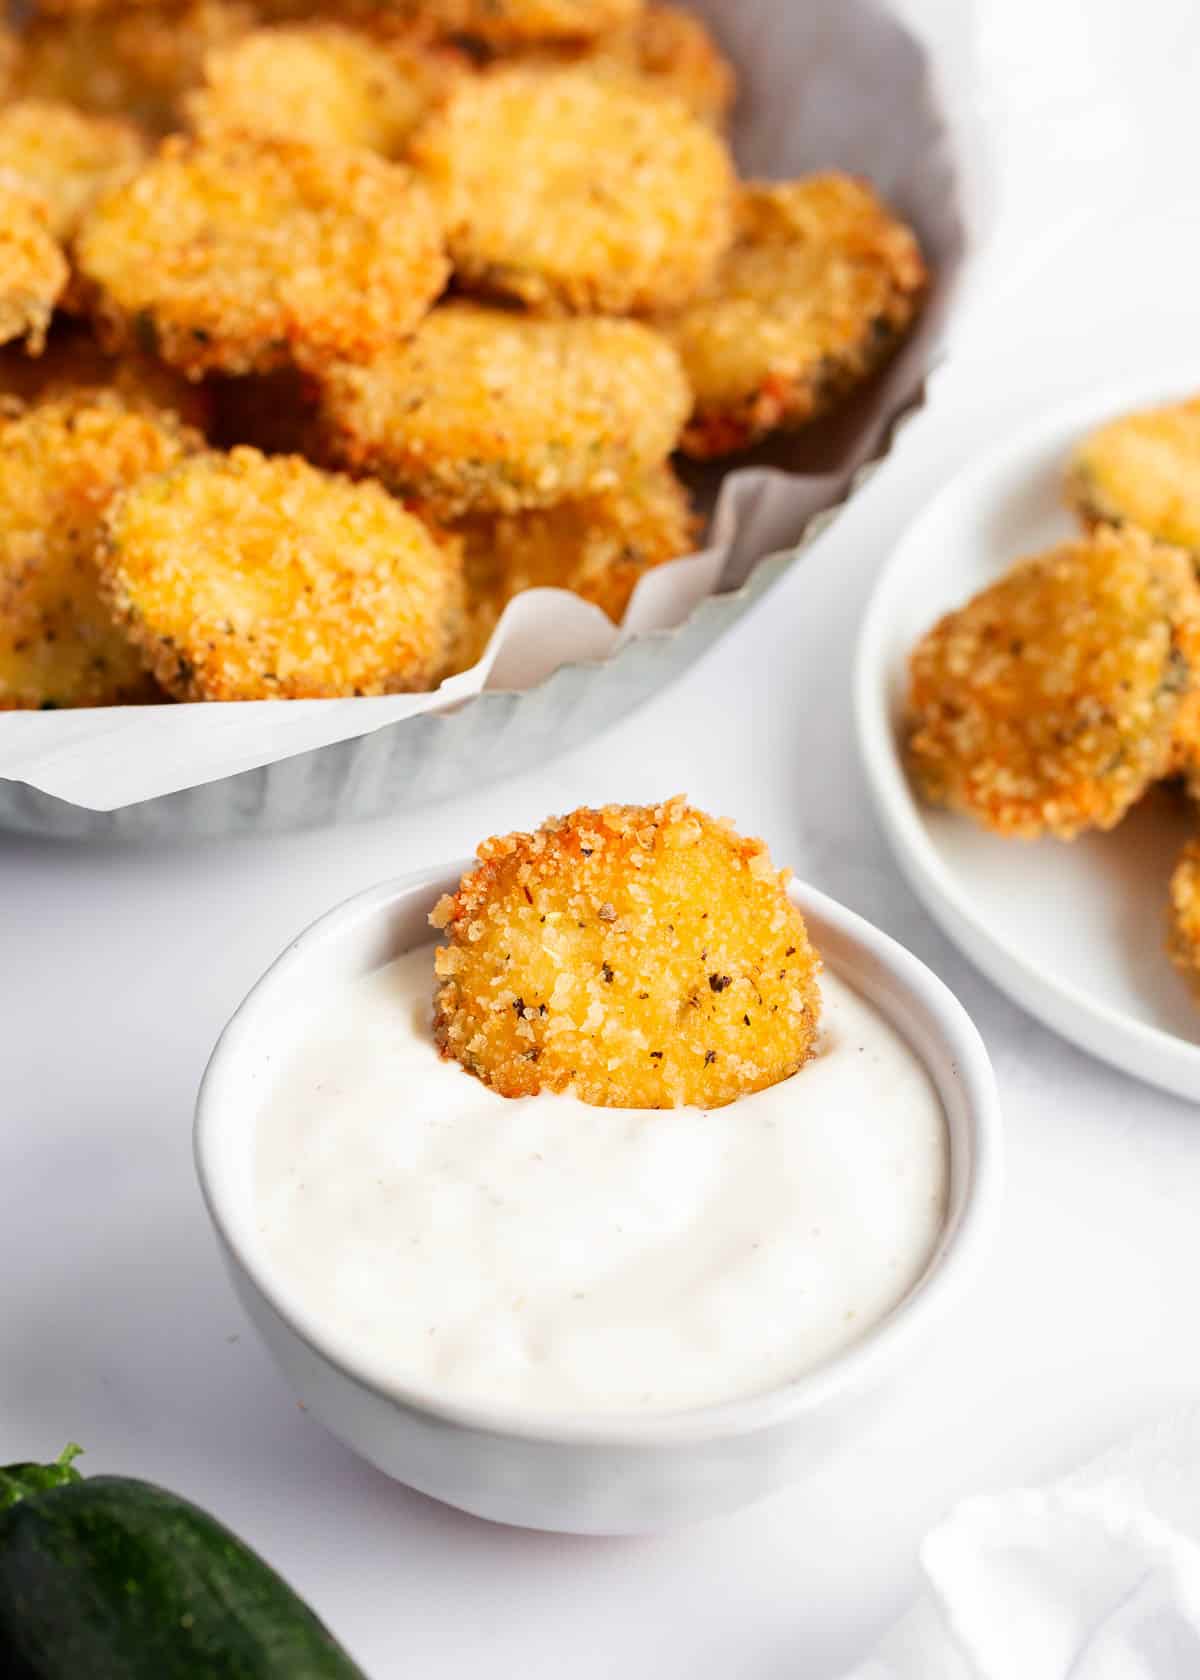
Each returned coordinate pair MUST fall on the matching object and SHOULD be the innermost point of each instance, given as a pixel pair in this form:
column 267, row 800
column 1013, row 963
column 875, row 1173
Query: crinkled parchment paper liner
column 825, row 83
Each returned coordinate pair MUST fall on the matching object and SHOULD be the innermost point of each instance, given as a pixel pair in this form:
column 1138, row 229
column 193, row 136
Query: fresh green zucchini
column 107, row 1578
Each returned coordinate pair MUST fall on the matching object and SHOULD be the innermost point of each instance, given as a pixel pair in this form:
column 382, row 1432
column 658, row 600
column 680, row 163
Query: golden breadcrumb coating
column 72, row 363
column 247, row 577
column 318, row 82
column 64, row 157
column 1143, row 469
column 487, row 410
column 598, row 547
column 60, row 466
column 1048, row 703
column 820, row 287
column 33, row 269
column 567, row 190
column 137, row 64
column 1183, row 920
column 244, row 253
column 640, row 957
column 511, row 23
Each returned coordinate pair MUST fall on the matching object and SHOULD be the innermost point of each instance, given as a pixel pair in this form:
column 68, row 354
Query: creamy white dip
column 549, row 1256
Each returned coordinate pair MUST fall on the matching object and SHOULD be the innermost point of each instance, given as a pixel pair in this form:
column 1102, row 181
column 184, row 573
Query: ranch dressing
column 541, row 1254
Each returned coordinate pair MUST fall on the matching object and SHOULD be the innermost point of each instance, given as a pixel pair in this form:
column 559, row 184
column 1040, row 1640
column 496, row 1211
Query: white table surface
column 118, row 966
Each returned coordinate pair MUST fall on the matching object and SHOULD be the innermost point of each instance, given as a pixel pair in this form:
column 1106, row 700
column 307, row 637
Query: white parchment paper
column 825, row 83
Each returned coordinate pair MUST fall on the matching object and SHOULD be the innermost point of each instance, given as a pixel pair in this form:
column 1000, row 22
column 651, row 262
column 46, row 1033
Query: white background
column 119, row 966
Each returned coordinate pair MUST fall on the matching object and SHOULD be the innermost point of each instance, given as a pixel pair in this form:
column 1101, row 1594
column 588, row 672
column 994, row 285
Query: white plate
column 1075, row 932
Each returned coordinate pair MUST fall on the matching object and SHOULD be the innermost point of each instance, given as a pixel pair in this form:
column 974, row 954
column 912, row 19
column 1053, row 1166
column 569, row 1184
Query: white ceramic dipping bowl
column 598, row 1474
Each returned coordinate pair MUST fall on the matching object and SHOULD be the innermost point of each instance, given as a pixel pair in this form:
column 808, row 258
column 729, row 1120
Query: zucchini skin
column 110, row 1578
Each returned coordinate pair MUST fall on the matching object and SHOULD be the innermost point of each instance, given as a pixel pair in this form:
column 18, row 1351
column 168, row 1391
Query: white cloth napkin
column 1096, row 1577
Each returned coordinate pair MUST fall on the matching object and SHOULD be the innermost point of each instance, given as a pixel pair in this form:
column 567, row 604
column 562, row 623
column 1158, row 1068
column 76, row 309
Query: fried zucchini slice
column 64, row 157
column 639, row 957
column 33, row 269
column 819, row 289
column 570, row 191
column 60, row 466
column 1143, row 469
column 598, row 547
column 1183, row 916
column 318, row 82
column 136, row 64
column 487, row 410
column 1049, row 703
column 72, row 363
column 248, row 577
column 243, row 254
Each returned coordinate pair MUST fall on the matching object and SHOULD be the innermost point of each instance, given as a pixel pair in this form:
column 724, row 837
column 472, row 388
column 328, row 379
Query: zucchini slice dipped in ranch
column 108, row 1578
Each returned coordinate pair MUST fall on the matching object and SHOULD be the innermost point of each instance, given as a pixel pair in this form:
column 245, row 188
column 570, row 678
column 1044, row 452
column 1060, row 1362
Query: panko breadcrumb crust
column 639, row 957
column 570, row 191
column 1143, row 469
column 1050, row 702
column 65, row 157
column 818, row 290
column 60, row 466
column 248, row 577
column 242, row 254
column 33, row 269
column 73, row 363
column 598, row 547
column 489, row 410
column 1183, row 916
column 320, row 83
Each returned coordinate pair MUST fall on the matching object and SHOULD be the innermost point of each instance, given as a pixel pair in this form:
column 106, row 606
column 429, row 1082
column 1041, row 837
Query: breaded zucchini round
column 819, row 288
column 567, row 190
column 640, row 957
column 248, row 577
column 135, row 64
column 60, row 466
column 320, row 83
column 487, row 410
column 244, row 253
column 1183, row 921
column 1048, row 704
column 1143, row 469
column 65, row 157
column 33, row 269
column 597, row 547
column 72, row 363
column 511, row 23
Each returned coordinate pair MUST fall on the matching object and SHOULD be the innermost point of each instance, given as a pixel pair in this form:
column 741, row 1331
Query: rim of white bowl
column 1146, row 1052
column 961, row 1249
